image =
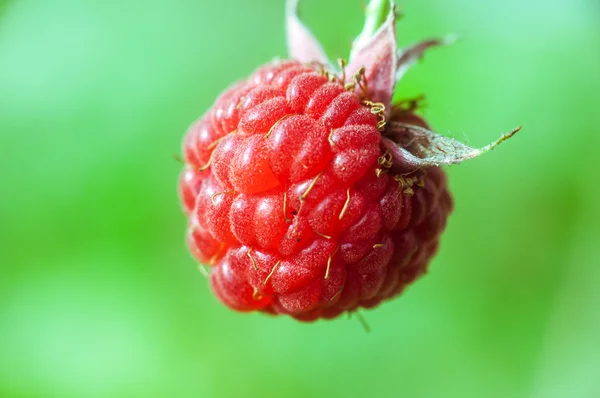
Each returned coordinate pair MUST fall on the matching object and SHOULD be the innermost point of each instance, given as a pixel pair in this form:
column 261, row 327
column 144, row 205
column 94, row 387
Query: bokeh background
column 99, row 297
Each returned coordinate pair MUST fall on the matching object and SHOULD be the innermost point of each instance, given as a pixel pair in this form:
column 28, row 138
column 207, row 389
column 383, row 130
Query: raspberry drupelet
column 307, row 192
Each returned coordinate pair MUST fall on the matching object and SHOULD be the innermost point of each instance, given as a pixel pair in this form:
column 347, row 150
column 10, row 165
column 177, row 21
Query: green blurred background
column 99, row 297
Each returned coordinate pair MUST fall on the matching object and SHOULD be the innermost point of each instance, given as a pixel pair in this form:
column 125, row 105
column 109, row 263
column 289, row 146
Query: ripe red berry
column 308, row 193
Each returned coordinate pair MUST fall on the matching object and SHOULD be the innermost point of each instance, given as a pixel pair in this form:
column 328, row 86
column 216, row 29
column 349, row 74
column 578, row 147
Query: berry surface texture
column 308, row 191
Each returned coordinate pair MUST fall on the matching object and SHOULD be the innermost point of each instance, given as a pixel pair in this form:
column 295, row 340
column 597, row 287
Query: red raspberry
column 301, row 200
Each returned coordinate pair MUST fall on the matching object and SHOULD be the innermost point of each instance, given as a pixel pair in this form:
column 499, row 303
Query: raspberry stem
column 375, row 15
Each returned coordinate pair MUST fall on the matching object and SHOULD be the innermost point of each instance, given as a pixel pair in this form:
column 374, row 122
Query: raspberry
column 308, row 193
